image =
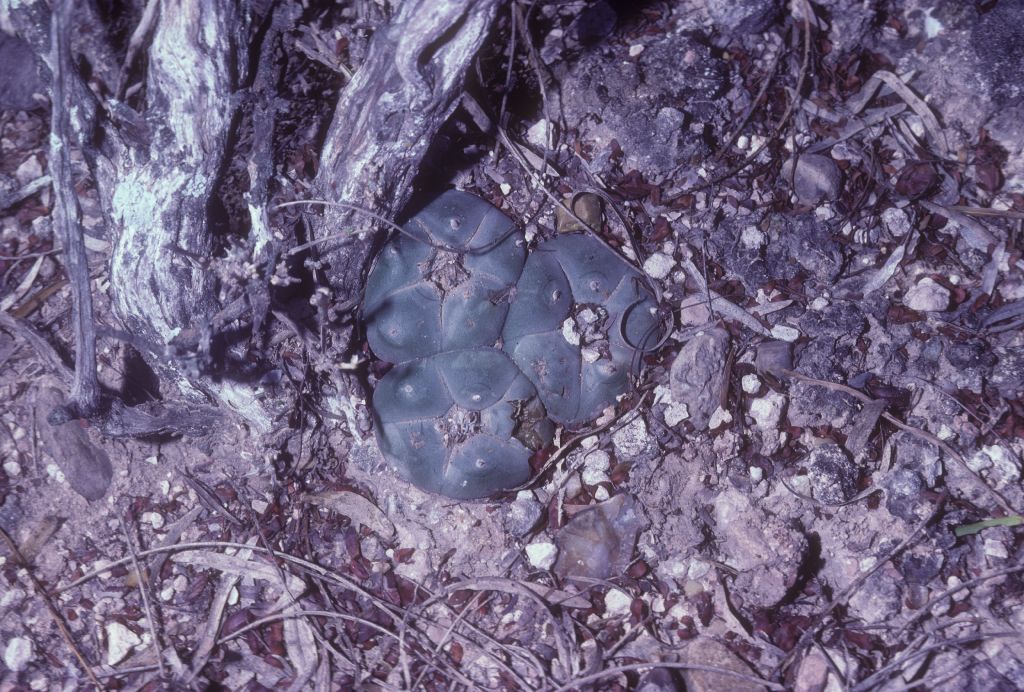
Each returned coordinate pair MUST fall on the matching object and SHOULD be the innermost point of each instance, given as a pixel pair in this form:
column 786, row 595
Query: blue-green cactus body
column 562, row 278
column 447, row 422
column 489, row 352
column 438, row 287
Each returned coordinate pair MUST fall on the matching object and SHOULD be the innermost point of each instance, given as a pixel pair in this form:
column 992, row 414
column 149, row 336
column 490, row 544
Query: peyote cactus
column 580, row 321
column 439, row 287
column 488, row 352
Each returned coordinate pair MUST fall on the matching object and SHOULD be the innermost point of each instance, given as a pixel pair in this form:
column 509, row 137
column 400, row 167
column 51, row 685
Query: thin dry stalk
column 54, row 613
column 143, row 585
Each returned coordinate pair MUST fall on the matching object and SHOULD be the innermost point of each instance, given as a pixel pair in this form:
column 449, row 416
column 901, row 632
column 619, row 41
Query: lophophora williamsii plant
column 491, row 347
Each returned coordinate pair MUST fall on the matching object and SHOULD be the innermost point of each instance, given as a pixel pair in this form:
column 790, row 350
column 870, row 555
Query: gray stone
column 598, row 542
column 879, row 598
column 811, row 406
column 744, row 16
column 816, row 178
column 713, row 654
column 85, row 466
column 19, row 78
column 698, row 374
column 832, row 475
column 765, row 550
column 523, row 514
column 1008, row 375
column 631, row 440
column 903, row 494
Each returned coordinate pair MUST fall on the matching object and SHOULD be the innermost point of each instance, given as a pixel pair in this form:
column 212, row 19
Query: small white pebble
column 542, row 554
column 601, row 494
column 17, row 654
column 595, row 467
column 927, row 296
column 617, row 603
column 752, row 238
column 505, row 188
column 569, row 332
column 120, row 642
column 659, row 265
column 636, row 49
column 54, row 472
column 590, row 354
column 756, row 474
column 751, row 383
column 153, row 459
column 785, row 333
column 954, row 582
column 718, row 418
column 12, row 468
column 676, row 414
column 996, row 548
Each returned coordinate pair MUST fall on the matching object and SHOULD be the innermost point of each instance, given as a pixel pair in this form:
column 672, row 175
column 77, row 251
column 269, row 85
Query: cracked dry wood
column 156, row 171
column 387, row 118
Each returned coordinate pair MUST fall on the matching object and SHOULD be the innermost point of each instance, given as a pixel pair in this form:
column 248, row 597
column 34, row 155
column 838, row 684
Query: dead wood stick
column 139, row 36
column 85, row 389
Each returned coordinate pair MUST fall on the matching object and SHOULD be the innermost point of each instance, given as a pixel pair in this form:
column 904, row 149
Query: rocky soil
column 815, row 485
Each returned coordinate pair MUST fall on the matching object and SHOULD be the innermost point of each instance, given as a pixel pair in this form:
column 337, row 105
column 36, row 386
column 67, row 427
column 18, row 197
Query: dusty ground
column 792, row 494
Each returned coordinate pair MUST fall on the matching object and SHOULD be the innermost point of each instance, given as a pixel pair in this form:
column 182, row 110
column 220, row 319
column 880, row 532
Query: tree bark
column 386, row 119
column 158, row 186
column 158, row 169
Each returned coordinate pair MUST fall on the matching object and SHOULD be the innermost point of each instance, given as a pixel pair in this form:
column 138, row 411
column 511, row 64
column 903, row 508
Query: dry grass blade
column 891, row 80
column 723, row 305
column 355, row 507
column 208, row 641
column 972, row 231
column 24, row 287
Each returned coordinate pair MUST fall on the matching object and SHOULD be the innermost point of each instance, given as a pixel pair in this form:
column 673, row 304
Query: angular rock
column 631, row 440
column 698, row 374
column 86, row 467
column 598, row 542
column 766, row 551
column 708, row 652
